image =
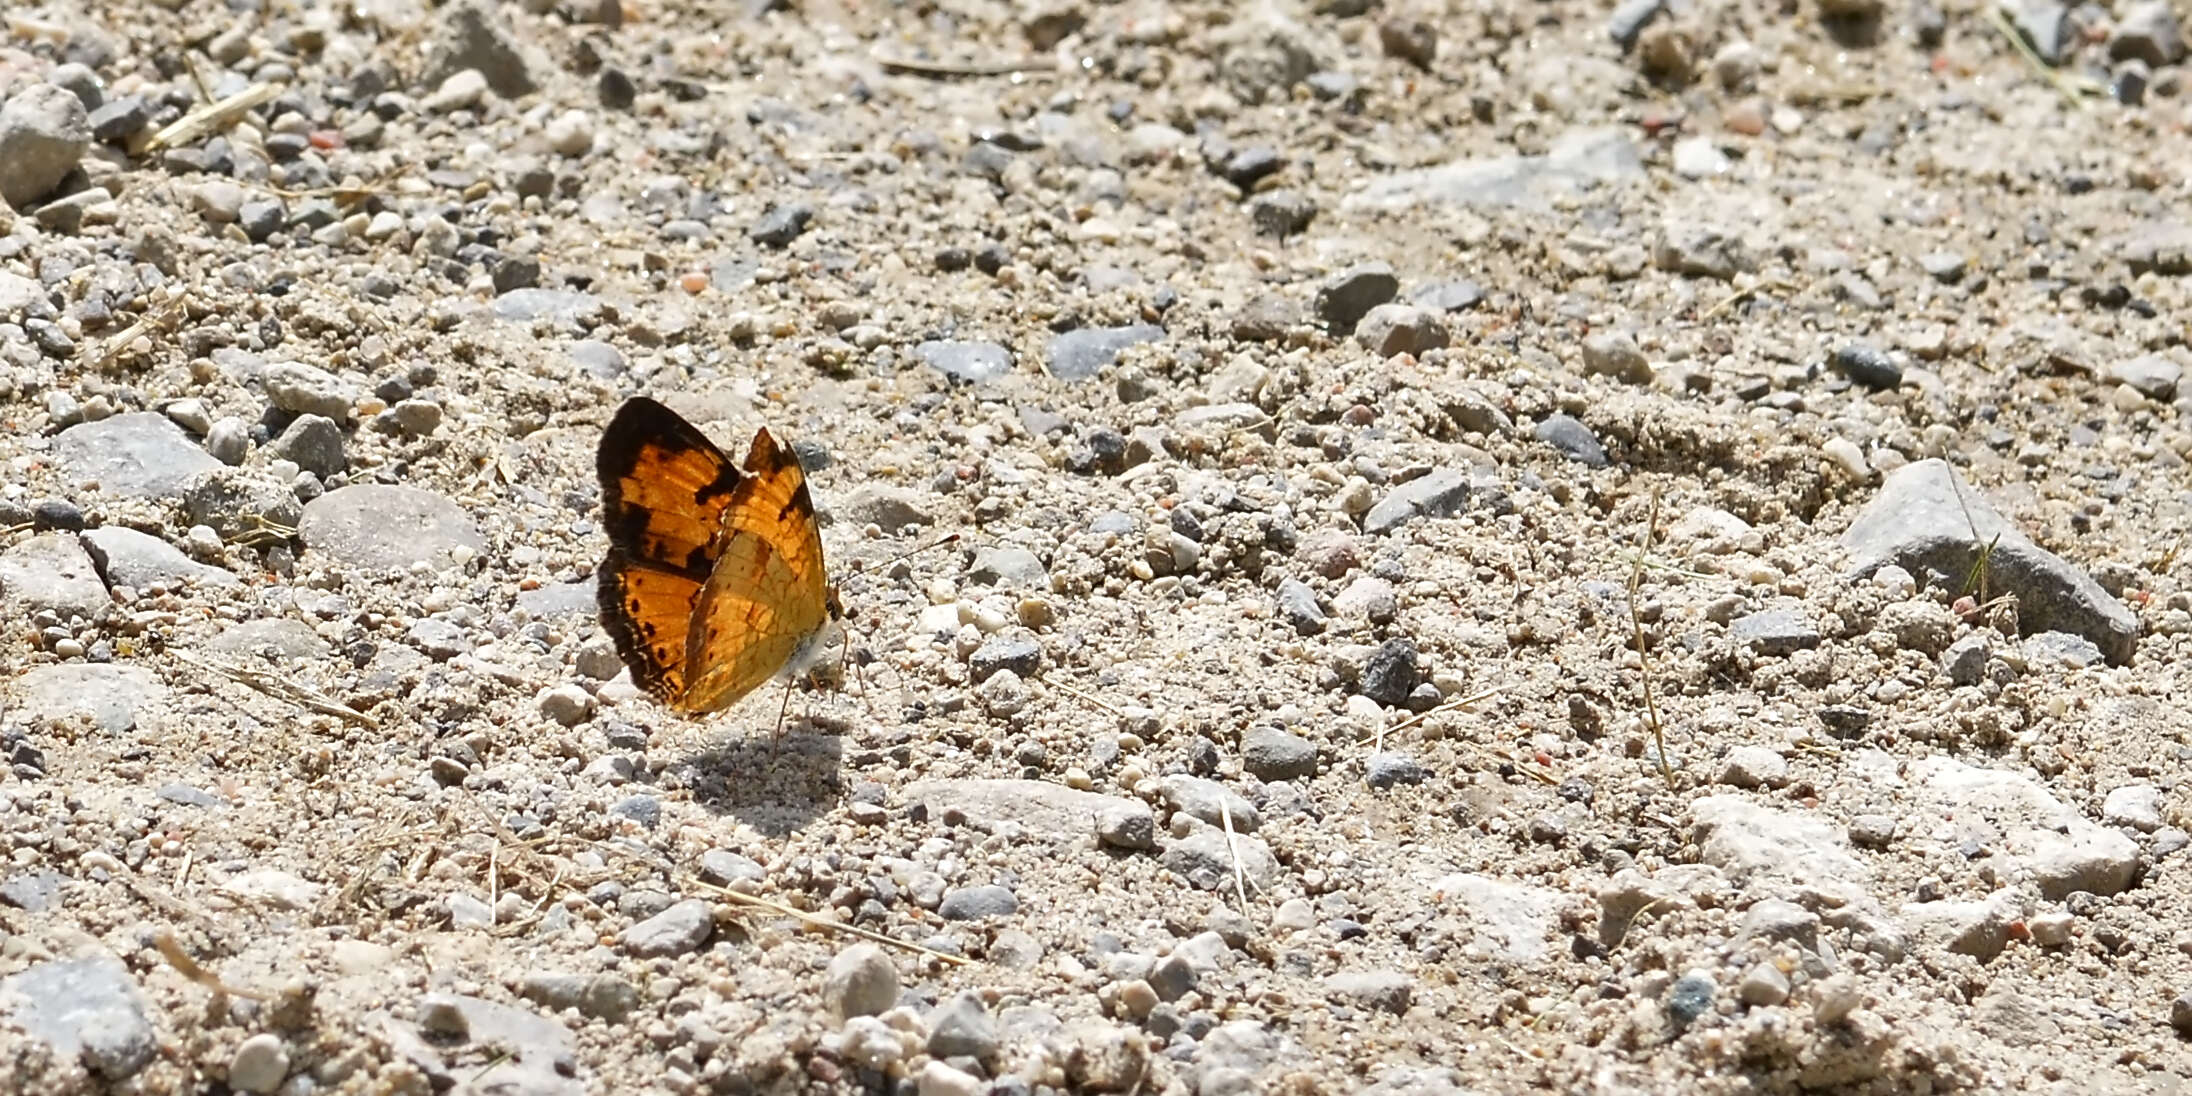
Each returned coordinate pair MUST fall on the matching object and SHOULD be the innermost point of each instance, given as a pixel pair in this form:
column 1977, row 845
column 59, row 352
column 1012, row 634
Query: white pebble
column 571, row 133
column 1845, row 453
column 260, row 1064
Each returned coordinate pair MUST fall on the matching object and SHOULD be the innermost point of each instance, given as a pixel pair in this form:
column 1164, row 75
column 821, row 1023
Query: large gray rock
column 44, row 133
column 1929, row 522
column 386, row 527
column 51, row 571
column 87, row 1009
column 141, row 455
column 113, row 697
column 1577, row 161
column 130, row 558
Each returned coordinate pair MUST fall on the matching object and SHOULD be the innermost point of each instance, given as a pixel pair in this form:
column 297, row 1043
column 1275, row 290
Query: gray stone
column 32, row 892
column 1105, row 1057
column 724, row 867
column 1965, row 660
column 2062, row 648
column 2154, row 376
column 1051, row 810
column 313, row 443
column 978, row 903
column 1688, row 998
column 302, row 389
column 1391, row 673
column 2045, row 26
column 1271, row 754
column 1370, row 598
column 138, row 455
column 1781, row 922
column 1512, row 922
column 472, row 36
column 1020, row 654
column 1926, row 520
column 1577, row 161
column 2062, row 849
column 228, row 441
column 1205, row 860
column 2148, row 32
column 1386, row 771
column 562, row 306
column 1348, row 296
column 86, row 1009
column 861, row 981
column 962, row 1026
column 602, row 996
column 533, row 1055
column 1236, row 1055
column 1126, row 824
column 269, row 638
column 683, row 927
column 1080, row 355
column 44, row 133
column 597, row 359
column 1775, row 632
column 1210, row 801
column 440, row 639
column 1977, row 929
column 387, row 527
column 1458, row 295
column 976, row 362
column 1701, row 250
column 889, row 508
column 1379, row 990
column 1630, row 18
column 2136, row 806
column 1867, row 365
column 1391, row 329
column 1009, row 568
column 1297, row 603
column 52, row 571
column 1754, row 767
column 111, row 696
column 1440, row 493
column 1573, row 439
column 139, row 560
column 1613, row 354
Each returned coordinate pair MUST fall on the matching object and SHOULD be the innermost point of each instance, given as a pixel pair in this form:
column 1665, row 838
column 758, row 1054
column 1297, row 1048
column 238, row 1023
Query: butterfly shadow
column 775, row 783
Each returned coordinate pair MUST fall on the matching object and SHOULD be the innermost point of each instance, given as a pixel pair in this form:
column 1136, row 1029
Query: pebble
column 1573, row 439
column 2137, row 806
column 1105, row 1057
column 724, row 867
column 52, row 572
column 1392, row 329
column 570, row 133
column 1282, row 213
column 388, row 527
column 1629, row 19
column 1391, row 673
column 567, row 705
column 106, row 1022
column 1126, row 824
column 259, row 1064
column 1297, row 605
column 1868, row 365
column 940, row 1079
column 1020, row 654
column 1412, row 40
column 1273, row 754
column 890, row 508
column 862, row 981
column 1965, row 660
column 2148, row 32
column 1703, row 251
column 601, row 996
column 978, row 903
column 309, row 390
column 1754, row 767
column 139, row 560
column 1440, row 493
column 1081, row 354
column 1699, row 158
column 1925, row 519
column 1379, row 990
column 1613, row 354
column 473, row 37
column 111, row 696
column 2154, row 376
column 313, row 443
column 44, row 133
column 781, row 225
column 681, row 928
column 460, row 91
column 973, row 362
column 962, row 1027
column 1346, row 297
column 1210, row 801
column 1205, row 859
column 138, row 455
column 1008, row 568
column 1775, row 632
column 440, row 639
column 1386, row 771
column 235, row 502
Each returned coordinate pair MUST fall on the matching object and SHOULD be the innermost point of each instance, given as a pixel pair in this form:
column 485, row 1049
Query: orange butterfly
column 714, row 580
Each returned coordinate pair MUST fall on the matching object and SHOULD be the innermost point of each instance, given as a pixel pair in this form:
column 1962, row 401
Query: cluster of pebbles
column 1501, row 547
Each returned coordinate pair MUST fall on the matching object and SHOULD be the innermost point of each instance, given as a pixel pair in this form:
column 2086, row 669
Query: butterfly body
column 714, row 581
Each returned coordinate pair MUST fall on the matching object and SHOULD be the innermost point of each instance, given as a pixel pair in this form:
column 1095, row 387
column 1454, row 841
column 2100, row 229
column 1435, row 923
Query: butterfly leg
column 777, row 739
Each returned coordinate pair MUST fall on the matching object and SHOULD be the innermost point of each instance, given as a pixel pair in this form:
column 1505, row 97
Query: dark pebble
column 1868, row 365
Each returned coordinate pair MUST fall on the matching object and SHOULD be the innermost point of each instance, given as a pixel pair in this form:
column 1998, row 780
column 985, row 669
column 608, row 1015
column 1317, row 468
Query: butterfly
column 714, row 580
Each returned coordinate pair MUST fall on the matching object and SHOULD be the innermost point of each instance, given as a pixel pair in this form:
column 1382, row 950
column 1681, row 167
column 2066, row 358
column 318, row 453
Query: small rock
column 472, row 37
column 1965, row 660
column 87, row 1010
column 1281, row 213
column 1019, row 654
column 1081, row 354
column 892, row 509
column 974, row 362
column 309, row 390
column 1104, row 1057
column 1442, row 493
column 1346, row 297
column 1297, row 604
column 388, row 527
column 44, row 133
column 127, row 557
column 259, row 1064
column 1689, row 997
column 1391, row 329
column 1573, row 439
column 138, row 455
column 1379, row 990
column 1613, row 354
column 52, row 572
column 861, row 981
column 781, row 225
column 1386, row 771
column 1211, row 802
column 313, row 443
column 962, row 1027
column 1271, row 754
column 1868, row 365
column 1126, row 824
column 683, row 927
column 2137, row 806
column 1699, row 158
column 978, row 903
column 2154, row 376
column 1391, row 673
column 1701, row 251
column 1775, row 632
column 2148, row 32
column 1754, row 767
column 1206, row 857
column 568, row 705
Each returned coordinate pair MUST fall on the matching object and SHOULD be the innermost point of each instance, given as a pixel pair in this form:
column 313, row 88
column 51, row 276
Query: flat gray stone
column 1440, row 493
column 1052, row 810
column 1577, row 161
column 2036, row 833
column 130, row 558
column 1009, row 568
column 139, row 455
column 534, row 1055
column 44, row 133
column 1511, row 922
column 384, row 527
column 86, row 1009
column 113, row 696
column 682, row 928
column 309, row 390
column 269, row 637
column 1210, row 801
column 1271, row 753
column 978, row 903
column 1080, row 355
column 2154, row 376
column 1775, row 632
column 52, row 571
column 1205, row 860
column 1380, row 990
column 975, row 362
column 1926, row 520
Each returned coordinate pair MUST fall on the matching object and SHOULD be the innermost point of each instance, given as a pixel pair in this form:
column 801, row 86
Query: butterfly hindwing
column 664, row 490
column 768, row 593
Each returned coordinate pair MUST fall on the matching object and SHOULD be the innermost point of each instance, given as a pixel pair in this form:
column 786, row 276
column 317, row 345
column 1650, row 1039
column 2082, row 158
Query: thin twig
column 2069, row 90
column 1643, row 656
column 1448, row 706
column 919, row 67
column 1073, row 692
column 284, row 689
column 212, row 117
column 828, row 925
column 1240, row 878
column 164, row 942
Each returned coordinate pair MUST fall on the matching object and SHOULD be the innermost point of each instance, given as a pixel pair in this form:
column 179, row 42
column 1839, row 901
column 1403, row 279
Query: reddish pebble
column 692, row 281
column 1359, row 415
column 2018, row 930
column 1747, row 118
column 326, row 138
